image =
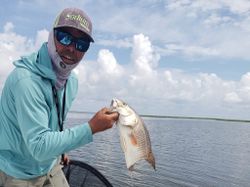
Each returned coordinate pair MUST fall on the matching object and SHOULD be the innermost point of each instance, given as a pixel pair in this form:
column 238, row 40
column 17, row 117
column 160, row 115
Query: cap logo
column 82, row 21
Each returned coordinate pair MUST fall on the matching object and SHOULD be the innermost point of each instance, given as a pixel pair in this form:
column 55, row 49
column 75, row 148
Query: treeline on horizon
column 176, row 117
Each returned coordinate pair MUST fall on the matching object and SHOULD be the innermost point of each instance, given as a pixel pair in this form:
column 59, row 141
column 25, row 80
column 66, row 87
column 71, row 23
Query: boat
column 81, row 174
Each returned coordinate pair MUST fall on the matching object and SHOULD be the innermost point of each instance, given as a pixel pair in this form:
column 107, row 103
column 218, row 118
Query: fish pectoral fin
column 133, row 139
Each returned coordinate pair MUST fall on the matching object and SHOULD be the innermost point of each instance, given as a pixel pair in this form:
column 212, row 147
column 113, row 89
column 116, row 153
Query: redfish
column 134, row 137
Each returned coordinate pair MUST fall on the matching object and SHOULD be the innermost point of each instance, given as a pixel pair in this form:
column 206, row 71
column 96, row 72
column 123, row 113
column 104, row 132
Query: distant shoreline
column 175, row 117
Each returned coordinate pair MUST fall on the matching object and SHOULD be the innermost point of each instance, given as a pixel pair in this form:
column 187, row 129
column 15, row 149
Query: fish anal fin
column 151, row 160
column 131, row 168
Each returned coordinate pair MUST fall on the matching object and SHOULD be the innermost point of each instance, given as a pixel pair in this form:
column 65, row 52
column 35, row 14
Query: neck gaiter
column 61, row 69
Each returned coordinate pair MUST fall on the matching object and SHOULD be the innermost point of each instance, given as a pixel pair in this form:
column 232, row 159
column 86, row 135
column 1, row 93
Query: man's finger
column 110, row 112
column 114, row 115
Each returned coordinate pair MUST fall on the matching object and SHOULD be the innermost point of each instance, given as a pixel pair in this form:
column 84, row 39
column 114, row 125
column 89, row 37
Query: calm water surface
column 187, row 153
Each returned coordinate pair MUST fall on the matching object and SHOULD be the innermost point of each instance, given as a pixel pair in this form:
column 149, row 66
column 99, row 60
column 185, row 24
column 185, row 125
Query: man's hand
column 102, row 120
column 65, row 160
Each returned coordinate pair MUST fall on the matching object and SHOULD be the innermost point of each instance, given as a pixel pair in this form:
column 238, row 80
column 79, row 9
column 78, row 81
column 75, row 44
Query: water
column 187, row 153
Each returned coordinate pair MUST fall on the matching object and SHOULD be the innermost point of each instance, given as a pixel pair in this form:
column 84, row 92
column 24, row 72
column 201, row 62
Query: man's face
column 68, row 53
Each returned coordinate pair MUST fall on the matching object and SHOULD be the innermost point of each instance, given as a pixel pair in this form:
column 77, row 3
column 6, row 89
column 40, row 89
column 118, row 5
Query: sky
column 162, row 57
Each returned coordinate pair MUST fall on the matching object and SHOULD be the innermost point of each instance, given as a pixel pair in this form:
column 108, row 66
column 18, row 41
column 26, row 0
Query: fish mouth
column 114, row 103
column 117, row 103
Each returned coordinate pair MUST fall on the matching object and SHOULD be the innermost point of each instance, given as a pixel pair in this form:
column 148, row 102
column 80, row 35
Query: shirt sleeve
column 33, row 119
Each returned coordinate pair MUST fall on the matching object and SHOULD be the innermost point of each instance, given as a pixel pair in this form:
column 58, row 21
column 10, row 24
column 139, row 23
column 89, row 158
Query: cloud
column 142, row 83
column 42, row 36
column 239, row 7
column 8, row 27
column 214, row 20
column 188, row 51
column 232, row 98
column 153, row 90
column 143, row 54
column 118, row 43
column 244, row 88
column 196, row 29
column 12, row 46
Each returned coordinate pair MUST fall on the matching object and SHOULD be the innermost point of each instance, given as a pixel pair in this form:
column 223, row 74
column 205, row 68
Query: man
column 34, row 102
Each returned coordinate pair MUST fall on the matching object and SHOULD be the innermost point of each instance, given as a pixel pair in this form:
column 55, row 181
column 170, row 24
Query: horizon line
column 176, row 117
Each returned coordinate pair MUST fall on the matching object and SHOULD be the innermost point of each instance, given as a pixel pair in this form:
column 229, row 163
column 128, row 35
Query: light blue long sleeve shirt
column 30, row 140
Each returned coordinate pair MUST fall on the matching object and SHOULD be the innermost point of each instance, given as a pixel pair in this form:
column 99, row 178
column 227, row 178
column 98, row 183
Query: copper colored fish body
column 134, row 136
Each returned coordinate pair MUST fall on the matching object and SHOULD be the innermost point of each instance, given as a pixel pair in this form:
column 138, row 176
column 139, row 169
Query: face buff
column 61, row 69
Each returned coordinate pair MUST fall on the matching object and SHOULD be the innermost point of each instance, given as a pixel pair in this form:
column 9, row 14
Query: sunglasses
column 66, row 39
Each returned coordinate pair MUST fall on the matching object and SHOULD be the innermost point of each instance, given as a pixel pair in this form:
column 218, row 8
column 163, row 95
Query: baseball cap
column 75, row 18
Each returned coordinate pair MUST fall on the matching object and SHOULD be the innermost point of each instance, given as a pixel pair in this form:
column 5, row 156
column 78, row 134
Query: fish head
column 121, row 107
column 127, row 116
column 115, row 103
